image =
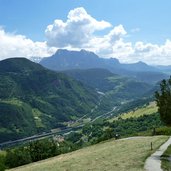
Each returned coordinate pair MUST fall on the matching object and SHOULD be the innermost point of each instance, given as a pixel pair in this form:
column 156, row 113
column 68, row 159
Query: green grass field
column 113, row 155
column 165, row 159
column 145, row 110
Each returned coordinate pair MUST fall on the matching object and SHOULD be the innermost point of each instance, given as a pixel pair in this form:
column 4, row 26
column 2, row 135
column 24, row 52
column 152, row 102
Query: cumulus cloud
column 116, row 33
column 150, row 53
column 79, row 31
column 13, row 45
column 76, row 31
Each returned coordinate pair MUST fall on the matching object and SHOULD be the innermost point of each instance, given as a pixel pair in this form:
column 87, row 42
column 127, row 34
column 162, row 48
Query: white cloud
column 12, row 45
column 149, row 53
column 116, row 33
column 79, row 31
column 76, row 31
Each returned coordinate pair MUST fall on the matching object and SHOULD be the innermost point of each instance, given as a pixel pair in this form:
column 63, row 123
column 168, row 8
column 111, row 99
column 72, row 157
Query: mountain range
column 69, row 85
column 68, row 60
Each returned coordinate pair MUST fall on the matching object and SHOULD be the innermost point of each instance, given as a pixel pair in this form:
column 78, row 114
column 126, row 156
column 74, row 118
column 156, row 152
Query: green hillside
column 105, row 81
column 96, row 78
column 115, row 89
column 147, row 109
column 34, row 99
column 120, row 155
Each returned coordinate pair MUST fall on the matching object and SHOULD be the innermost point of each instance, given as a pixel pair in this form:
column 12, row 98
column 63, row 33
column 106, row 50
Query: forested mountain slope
column 34, row 99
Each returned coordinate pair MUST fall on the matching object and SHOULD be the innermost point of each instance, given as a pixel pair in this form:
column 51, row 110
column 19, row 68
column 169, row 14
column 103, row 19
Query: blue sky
column 145, row 21
column 30, row 17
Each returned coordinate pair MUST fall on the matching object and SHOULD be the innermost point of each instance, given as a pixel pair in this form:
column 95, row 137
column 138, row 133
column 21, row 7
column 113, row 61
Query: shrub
column 163, row 131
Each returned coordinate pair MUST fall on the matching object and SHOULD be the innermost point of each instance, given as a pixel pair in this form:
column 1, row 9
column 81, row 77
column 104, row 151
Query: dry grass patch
column 120, row 155
column 145, row 110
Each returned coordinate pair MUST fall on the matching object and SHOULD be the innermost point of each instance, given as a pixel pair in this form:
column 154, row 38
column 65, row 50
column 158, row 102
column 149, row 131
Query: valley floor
column 114, row 155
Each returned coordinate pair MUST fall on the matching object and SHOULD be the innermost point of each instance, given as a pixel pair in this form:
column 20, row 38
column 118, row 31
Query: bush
column 2, row 163
column 163, row 131
column 17, row 157
column 42, row 149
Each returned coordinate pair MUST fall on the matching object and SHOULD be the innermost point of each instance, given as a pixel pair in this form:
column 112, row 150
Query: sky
column 129, row 30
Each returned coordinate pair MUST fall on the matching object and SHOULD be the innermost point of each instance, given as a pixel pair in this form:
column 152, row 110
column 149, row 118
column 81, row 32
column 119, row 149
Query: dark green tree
column 2, row 163
column 42, row 149
column 17, row 157
column 163, row 99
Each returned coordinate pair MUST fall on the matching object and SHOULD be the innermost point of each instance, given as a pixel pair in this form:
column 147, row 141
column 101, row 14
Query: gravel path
column 153, row 163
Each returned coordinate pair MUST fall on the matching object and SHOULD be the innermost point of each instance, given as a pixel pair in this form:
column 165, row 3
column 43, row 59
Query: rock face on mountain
column 64, row 60
column 34, row 99
column 68, row 60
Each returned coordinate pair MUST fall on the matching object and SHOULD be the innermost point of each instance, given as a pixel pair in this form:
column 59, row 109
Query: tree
column 42, row 149
column 163, row 99
column 17, row 157
column 2, row 163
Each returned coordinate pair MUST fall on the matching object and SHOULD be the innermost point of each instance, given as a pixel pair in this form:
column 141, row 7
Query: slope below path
column 153, row 163
column 112, row 155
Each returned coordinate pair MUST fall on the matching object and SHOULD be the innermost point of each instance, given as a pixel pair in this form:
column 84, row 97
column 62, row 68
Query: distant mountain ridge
column 140, row 66
column 65, row 60
column 68, row 60
column 166, row 69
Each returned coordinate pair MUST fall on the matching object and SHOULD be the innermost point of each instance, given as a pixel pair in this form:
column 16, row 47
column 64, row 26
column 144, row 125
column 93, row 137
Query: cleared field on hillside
column 114, row 155
column 145, row 110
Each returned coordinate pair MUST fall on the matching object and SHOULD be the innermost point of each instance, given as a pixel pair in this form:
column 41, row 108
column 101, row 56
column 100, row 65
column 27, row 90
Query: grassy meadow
column 145, row 110
column 113, row 155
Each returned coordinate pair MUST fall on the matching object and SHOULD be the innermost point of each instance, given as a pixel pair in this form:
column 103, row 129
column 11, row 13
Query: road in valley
column 51, row 134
